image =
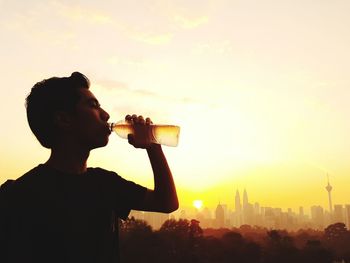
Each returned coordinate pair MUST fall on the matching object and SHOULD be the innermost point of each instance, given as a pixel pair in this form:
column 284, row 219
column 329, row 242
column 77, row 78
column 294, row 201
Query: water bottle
column 161, row 134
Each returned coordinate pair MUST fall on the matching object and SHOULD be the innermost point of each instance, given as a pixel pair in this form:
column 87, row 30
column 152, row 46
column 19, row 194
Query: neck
column 68, row 160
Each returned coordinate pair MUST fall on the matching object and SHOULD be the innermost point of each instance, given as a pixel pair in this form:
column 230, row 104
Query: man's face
column 89, row 122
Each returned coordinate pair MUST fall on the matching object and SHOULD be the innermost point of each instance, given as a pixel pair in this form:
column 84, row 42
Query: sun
column 198, row 204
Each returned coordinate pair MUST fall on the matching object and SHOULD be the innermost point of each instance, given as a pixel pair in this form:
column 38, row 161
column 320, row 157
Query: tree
column 195, row 230
column 280, row 248
column 337, row 238
column 174, row 236
column 137, row 241
column 179, row 228
column 314, row 252
column 132, row 225
column 335, row 232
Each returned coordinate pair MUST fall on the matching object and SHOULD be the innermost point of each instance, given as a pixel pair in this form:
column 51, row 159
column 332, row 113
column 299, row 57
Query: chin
column 100, row 144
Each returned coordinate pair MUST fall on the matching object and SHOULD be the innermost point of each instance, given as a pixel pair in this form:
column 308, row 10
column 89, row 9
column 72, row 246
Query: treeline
column 183, row 241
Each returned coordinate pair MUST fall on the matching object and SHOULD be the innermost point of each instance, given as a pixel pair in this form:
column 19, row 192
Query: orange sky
column 259, row 88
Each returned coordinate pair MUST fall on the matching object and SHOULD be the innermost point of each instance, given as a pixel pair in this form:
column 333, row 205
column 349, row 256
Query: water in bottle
column 161, row 134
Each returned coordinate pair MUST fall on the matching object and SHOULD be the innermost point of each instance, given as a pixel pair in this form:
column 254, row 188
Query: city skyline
column 318, row 219
column 326, row 202
column 242, row 212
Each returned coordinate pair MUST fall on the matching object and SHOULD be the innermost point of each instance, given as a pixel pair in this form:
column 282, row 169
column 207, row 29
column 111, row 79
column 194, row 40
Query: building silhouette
column 245, row 199
column 237, row 217
column 219, row 216
column 238, row 206
column 317, row 217
column 155, row 220
column 338, row 214
column 329, row 190
column 347, row 216
column 245, row 213
column 301, row 211
column 248, row 210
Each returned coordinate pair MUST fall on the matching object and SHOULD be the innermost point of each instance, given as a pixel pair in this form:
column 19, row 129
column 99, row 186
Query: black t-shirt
column 50, row 216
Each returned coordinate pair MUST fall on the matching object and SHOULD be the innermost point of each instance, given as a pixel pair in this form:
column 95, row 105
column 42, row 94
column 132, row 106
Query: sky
column 260, row 89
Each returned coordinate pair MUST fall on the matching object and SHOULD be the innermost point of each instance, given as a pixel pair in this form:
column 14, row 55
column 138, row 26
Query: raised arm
column 164, row 197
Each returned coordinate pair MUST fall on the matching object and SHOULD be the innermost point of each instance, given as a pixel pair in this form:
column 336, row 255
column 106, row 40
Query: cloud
column 122, row 87
column 137, row 63
column 188, row 23
column 222, row 47
column 119, row 87
column 183, row 14
column 46, row 14
column 109, row 85
column 59, row 24
column 139, row 33
column 161, row 21
column 159, row 28
column 153, row 39
column 81, row 14
column 142, row 35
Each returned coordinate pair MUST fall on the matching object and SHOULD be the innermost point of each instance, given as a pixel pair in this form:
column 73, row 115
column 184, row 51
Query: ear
column 62, row 120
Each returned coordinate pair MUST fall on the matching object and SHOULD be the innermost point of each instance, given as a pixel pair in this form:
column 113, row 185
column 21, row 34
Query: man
column 62, row 211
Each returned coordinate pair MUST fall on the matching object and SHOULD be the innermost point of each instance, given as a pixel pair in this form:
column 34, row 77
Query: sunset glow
column 260, row 90
column 198, row 204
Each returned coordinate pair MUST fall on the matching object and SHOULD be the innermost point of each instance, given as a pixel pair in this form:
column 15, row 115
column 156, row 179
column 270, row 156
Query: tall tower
column 238, row 218
column 238, row 205
column 329, row 190
column 245, row 199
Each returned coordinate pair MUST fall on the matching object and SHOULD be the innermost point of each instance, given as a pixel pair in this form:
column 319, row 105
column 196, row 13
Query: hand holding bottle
column 141, row 136
column 142, row 133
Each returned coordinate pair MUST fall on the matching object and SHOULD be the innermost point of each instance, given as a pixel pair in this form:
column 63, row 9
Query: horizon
column 259, row 89
column 231, row 206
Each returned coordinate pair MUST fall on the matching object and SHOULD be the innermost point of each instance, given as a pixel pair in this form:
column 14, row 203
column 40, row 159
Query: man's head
column 55, row 103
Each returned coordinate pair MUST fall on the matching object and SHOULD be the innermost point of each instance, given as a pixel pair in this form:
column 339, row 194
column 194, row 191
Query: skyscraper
column 329, row 189
column 248, row 210
column 317, row 216
column 238, row 206
column 245, row 199
column 347, row 215
column 237, row 216
column 301, row 211
column 219, row 216
column 338, row 214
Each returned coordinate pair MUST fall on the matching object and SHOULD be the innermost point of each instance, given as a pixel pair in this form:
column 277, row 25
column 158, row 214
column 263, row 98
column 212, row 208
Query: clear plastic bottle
column 161, row 134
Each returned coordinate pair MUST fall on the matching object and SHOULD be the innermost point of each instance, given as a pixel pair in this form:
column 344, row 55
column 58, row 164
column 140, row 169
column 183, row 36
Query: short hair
column 49, row 96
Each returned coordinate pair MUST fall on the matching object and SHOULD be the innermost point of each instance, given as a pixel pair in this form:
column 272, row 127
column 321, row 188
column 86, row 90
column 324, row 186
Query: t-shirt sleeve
column 126, row 195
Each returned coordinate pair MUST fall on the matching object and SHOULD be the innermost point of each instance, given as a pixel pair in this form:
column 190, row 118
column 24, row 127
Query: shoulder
column 6, row 187
column 30, row 175
column 25, row 177
column 6, row 194
column 26, row 181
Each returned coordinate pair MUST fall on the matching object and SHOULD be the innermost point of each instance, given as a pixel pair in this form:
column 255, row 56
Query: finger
column 148, row 121
column 134, row 118
column 141, row 120
column 128, row 118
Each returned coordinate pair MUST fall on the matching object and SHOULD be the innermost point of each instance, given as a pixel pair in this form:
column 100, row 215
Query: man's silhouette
column 62, row 211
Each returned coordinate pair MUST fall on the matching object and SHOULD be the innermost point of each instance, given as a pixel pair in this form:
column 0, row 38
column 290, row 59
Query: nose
column 105, row 116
